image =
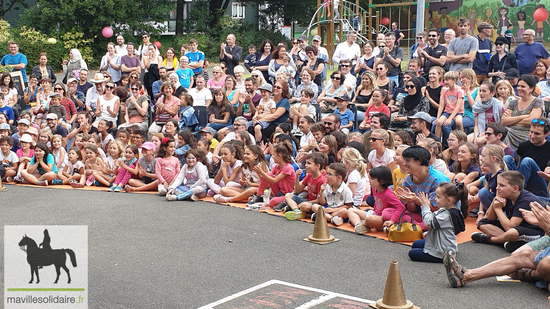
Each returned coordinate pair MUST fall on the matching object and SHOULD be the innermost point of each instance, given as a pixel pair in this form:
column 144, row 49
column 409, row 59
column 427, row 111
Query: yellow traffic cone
column 320, row 230
column 394, row 295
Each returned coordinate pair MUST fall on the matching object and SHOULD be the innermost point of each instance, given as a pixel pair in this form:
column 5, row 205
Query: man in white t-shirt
column 120, row 46
column 202, row 96
column 351, row 81
column 348, row 49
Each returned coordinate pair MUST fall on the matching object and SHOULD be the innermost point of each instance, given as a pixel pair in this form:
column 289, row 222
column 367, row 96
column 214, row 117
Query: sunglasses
column 433, row 35
column 328, row 123
column 409, row 86
column 277, row 87
column 379, row 69
column 335, row 77
column 295, row 42
column 382, row 46
column 488, row 133
column 133, row 77
column 541, row 122
column 499, row 44
column 254, row 76
column 135, row 89
column 344, row 65
column 57, row 88
column 374, row 139
column 419, row 38
column 109, row 87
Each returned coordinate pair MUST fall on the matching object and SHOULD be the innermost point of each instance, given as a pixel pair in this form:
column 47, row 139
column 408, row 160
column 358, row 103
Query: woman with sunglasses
column 277, row 61
column 218, row 81
column 137, row 107
column 317, row 65
column 66, row 102
column 502, row 61
column 167, row 108
column 108, row 104
column 413, row 103
column 363, row 94
column 333, row 89
column 419, row 45
column 521, row 111
column 43, row 70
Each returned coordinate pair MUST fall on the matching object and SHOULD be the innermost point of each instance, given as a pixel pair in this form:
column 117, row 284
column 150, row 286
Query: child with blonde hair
column 451, row 104
column 58, row 151
column 357, row 180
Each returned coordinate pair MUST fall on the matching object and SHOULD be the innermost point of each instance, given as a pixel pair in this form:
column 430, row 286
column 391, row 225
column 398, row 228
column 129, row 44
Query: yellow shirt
column 213, row 143
column 398, row 178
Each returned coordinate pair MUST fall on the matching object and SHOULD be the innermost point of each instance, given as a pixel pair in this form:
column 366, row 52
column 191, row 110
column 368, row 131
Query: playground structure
column 334, row 18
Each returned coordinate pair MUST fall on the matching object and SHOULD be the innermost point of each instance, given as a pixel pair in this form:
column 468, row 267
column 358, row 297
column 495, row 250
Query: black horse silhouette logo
column 46, row 256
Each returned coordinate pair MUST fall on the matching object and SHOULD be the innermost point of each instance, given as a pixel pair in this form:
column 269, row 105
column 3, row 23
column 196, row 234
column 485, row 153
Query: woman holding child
column 282, row 107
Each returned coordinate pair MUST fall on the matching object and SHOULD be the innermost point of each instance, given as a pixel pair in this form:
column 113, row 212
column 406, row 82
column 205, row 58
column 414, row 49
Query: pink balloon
column 107, row 32
column 540, row 14
column 157, row 44
column 385, row 21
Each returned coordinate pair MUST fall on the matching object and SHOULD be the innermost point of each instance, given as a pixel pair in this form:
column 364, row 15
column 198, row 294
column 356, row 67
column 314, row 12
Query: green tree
column 90, row 16
column 8, row 5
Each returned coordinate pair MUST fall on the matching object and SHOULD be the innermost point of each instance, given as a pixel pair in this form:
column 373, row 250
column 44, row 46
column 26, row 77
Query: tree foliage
column 90, row 16
column 9, row 5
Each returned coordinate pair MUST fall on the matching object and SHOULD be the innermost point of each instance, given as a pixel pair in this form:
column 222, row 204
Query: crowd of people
column 459, row 133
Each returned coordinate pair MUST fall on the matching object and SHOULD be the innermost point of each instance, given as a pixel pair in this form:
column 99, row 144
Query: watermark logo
column 45, row 266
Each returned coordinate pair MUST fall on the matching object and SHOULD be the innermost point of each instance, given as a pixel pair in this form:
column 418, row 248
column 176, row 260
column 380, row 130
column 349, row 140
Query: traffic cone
column 320, row 230
column 2, row 188
column 394, row 295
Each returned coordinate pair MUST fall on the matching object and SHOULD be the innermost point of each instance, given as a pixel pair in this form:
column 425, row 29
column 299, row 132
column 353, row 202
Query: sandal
column 455, row 271
column 523, row 274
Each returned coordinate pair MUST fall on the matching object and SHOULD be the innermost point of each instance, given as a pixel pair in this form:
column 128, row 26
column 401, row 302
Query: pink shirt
column 19, row 153
column 387, row 205
column 212, row 84
column 170, row 105
column 451, row 98
column 286, row 185
column 167, row 169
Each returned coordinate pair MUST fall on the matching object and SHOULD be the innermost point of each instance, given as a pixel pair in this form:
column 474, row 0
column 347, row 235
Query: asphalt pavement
column 145, row 252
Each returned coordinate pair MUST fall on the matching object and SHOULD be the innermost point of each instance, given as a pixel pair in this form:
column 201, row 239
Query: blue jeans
column 485, row 198
column 529, row 168
column 182, row 189
column 217, row 126
column 361, row 116
column 467, row 122
column 417, row 253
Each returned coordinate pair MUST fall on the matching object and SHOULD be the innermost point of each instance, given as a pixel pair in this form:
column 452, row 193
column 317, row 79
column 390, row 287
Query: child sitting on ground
column 443, row 224
column 167, row 167
column 146, row 171
column 8, row 158
column 73, row 173
column 357, row 179
column 336, row 195
column 126, row 168
column 186, row 141
column 295, row 205
column 191, row 182
column 387, row 207
column 503, row 221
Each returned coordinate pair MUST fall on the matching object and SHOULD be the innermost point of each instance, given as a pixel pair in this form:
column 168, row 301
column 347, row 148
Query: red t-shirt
column 375, row 110
column 314, row 185
column 69, row 107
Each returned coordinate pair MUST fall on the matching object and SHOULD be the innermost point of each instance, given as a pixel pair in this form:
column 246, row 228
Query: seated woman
column 137, row 107
column 280, row 96
column 521, row 111
column 382, row 79
column 218, row 81
column 232, row 93
column 333, row 89
column 167, row 108
column 486, row 110
column 363, row 94
column 315, row 64
column 413, row 103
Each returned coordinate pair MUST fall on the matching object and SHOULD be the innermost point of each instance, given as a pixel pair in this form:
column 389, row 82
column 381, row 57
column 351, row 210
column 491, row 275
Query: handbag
column 404, row 231
column 162, row 118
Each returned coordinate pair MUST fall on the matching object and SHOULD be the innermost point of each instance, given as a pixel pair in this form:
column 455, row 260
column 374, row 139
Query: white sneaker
column 163, row 191
column 295, row 131
column 171, row 197
column 361, row 229
column 336, row 220
column 217, row 198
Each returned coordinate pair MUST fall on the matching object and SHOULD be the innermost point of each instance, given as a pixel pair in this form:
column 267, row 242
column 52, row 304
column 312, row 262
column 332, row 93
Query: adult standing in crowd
column 434, row 54
column 196, row 58
column 418, row 46
column 150, row 64
column 17, row 60
column 120, row 47
column 277, row 61
column 502, row 61
column 365, row 62
column 462, row 50
column 528, row 52
column 143, row 49
column 72, row 66
column 43, row 70
column 347, row 50
column 392, row 56
column 230, row 53
column 481, row 61
column 398, row 34
column 83, row 84
column 448, row 36
column 316, row 64
column 111, row 63
column 130, row 63
column 263, row 57
column 163, row 77
column 322, row 53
